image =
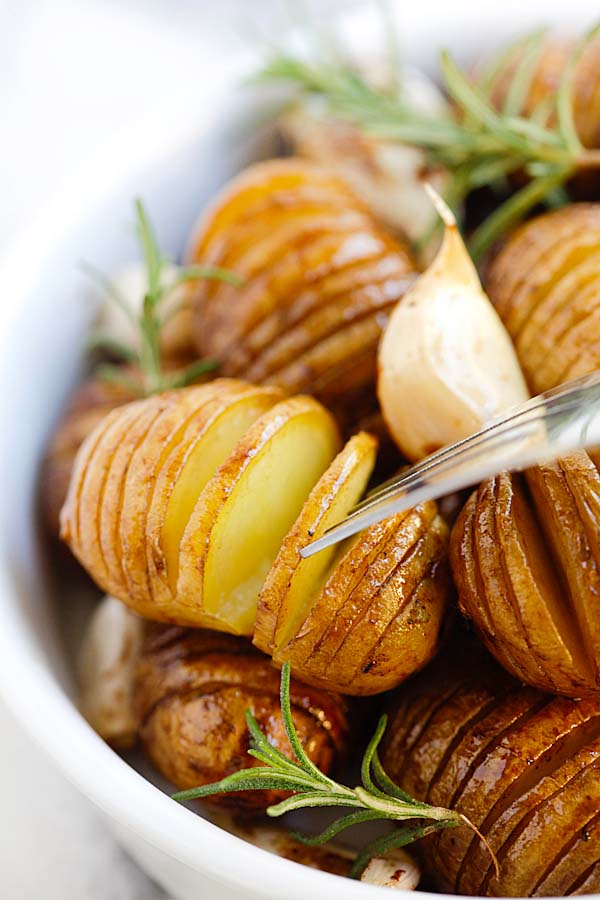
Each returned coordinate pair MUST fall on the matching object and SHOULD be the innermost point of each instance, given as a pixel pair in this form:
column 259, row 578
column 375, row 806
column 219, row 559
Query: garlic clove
column 107, row 661
column 396, row 869
column 446, row 363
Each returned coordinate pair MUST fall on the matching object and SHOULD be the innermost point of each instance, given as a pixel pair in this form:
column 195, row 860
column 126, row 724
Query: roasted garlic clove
column 522, row 766
column 446, row 362
column 525, row 554
column 545, row 285
column 108, row 658
column 395, row 869
column 193, row 688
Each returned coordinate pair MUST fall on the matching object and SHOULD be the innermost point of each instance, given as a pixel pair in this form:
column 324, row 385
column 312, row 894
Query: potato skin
column 191, row 692
column 525, row 554
column 522, row 766
column 545, row 285
column 378, row 617
column 89, row 405
column 321, row 280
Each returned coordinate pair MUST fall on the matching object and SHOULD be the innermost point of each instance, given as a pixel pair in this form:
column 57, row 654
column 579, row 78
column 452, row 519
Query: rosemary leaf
column 215, row 273
column 393, row 841
column 189, row 375
column 564, row 93
column 513, row 211
column 336, row 827
column 520, row 84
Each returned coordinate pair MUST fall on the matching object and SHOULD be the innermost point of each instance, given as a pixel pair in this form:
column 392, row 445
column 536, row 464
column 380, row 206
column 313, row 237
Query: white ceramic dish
column 42, row 323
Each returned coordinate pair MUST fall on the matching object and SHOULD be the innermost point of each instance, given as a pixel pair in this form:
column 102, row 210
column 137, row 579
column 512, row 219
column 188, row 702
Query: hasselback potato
column 192, row 506
column 191, row 691
column 548, row 68
column 522, row 766
column 545, row 284
column 321, row 279
column 525, row 554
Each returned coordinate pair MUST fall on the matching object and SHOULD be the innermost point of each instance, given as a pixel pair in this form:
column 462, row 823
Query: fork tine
column 441, row 472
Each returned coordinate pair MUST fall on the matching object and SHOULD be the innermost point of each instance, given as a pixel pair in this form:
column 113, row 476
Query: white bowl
column 42, row 323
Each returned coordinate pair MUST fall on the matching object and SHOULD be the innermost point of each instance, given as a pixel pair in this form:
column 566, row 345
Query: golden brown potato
column 522, row 766
column 178, row 503
column 549, row 67
column 321, row 279
column 525, row 554
column 360, row 618
column 89, row 405
column 544, row 282
column 191, row 507
column 378, row 615
column 192, row 690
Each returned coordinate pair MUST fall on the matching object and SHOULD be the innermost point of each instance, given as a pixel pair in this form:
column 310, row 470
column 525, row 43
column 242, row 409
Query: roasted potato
column 525, row 554
column 363, row 617
column 192, row 690
column 88, row 406
column 545, row 284
column 192, row 506
column 179, row 502
column 539, row 98
column 321, row 280
column 522, row 766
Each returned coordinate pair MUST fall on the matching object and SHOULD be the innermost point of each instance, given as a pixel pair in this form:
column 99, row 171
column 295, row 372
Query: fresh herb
column 377, row 798
column 480, row 145
column 162, row 277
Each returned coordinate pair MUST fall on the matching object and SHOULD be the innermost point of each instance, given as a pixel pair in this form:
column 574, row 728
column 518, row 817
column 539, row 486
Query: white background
column 72, row 74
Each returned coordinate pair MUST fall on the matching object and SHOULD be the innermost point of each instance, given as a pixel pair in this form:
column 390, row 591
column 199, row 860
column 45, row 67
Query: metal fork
column 552, row 424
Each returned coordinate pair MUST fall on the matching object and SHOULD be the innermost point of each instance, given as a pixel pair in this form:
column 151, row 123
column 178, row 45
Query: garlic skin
column 107, row 660
column 386, row 175
column 446, row 363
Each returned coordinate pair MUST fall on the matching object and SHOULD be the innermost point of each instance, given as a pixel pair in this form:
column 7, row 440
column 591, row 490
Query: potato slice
column 211, row 437
column 293, row 582
column 180, row 411
column 246, row 509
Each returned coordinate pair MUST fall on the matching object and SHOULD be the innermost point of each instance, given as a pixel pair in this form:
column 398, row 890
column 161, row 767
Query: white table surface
column 72, row 72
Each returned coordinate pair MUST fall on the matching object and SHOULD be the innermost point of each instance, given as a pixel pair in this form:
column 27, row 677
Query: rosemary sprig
column 162, row 278
column 377, row 798
column 480, row 145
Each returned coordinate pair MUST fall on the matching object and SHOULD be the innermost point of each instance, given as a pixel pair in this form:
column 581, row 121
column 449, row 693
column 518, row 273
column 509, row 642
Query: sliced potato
column 241, row 517
column 180, row 415
column 293, row 582
column 377, row 619
column 220, row 424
